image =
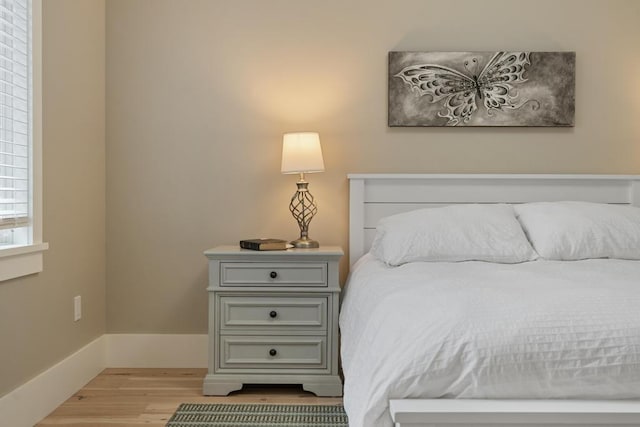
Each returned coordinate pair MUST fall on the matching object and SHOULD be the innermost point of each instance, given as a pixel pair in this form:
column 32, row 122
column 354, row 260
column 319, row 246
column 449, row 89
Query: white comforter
column 543, row 329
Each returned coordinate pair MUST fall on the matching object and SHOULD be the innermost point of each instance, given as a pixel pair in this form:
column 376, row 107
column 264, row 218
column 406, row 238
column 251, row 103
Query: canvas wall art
column 481, row 88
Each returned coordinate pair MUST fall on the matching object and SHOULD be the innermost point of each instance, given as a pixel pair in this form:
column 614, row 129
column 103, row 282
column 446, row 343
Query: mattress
column 542, row 329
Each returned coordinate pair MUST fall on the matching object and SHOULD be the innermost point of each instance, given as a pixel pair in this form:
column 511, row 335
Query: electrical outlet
column 77, row 308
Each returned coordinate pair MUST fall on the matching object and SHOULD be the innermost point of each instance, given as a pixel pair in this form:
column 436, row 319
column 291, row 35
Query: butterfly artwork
column 481, row 89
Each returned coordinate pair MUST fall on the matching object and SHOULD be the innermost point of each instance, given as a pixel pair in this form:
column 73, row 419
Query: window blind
column 15, row 107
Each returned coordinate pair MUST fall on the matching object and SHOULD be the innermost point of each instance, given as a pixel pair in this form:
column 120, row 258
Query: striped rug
column 257, row 415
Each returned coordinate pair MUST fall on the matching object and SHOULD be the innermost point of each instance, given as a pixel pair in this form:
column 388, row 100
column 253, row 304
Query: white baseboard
column 34, row 400
column 157, row 350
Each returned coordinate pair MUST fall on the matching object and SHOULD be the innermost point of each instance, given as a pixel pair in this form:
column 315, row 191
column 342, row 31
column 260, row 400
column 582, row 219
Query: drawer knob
column 273, row 314
column 273, row 352
column 273, row 274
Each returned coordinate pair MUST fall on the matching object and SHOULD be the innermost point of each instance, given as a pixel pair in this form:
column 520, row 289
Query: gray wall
column 36, row 312
column 200, row 92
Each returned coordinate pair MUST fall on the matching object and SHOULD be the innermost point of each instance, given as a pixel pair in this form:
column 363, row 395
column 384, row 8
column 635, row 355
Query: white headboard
column 374, row 196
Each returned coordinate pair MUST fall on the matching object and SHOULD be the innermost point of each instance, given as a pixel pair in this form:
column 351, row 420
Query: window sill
column 18, row 261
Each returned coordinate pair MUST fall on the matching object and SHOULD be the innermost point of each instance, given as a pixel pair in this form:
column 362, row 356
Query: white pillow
column 581, row 230
column 453, row 233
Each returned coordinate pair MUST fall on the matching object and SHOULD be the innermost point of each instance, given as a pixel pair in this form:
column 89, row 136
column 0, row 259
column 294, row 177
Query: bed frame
column 374, row 196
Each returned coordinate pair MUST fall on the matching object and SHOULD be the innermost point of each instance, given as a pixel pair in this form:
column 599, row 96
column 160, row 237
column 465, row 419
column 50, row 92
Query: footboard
column 514, row 413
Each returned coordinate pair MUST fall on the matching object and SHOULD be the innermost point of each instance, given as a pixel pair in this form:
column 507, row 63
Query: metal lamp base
column 303, row 207
column 304, row 243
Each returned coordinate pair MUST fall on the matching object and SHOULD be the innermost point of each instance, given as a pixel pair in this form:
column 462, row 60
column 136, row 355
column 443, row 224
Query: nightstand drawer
column 273, row 274
column 273, row 312
column 276, row 352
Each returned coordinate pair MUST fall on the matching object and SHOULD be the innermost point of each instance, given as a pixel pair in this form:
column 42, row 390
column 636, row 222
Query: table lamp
column 301, row 153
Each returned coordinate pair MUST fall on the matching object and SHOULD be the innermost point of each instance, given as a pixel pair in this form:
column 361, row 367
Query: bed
column 389, row 312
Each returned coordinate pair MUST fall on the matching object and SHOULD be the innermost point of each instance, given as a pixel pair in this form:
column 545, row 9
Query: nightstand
column 273, row 319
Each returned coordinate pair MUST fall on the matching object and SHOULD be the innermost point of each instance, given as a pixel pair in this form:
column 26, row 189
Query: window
column 20, row 138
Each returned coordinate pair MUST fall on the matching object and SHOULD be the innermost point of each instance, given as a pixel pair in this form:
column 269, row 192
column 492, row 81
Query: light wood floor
column 133, row 397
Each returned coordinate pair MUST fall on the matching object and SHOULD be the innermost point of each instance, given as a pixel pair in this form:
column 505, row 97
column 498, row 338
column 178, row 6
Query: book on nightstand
column 265, row 244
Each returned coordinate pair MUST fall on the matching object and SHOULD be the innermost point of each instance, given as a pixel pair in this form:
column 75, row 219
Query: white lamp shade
column 301, row 153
